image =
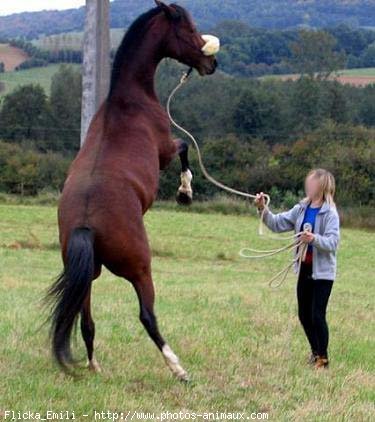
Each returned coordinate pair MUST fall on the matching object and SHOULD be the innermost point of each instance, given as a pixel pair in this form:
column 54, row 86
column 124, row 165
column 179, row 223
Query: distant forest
column 256, row 51
column 246, row 51
column 272, row 14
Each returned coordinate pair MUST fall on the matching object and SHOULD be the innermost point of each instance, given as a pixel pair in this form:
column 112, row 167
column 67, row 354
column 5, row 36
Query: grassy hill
column 365, row 72
column 357, row 77
column 39, row 75
column 73, row 40
column 241, row 341
column 260, row 13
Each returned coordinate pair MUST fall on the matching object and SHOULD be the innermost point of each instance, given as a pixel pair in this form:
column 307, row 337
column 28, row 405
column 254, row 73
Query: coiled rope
column 297, row 245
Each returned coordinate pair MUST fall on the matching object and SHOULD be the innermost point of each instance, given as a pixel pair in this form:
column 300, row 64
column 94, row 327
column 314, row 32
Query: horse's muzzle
column 208, row 68
column 214, row 66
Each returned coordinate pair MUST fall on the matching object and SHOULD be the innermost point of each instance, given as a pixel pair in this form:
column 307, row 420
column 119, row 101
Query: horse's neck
column 137, row 79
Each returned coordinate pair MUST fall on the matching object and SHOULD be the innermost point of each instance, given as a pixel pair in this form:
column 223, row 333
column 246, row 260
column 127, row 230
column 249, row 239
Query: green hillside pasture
column 73, row 40
column 366, row 71
column 240, row 340
column 356, row 77
column 37, row 75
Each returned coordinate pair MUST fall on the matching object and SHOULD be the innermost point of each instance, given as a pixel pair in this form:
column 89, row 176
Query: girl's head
column 320, row 185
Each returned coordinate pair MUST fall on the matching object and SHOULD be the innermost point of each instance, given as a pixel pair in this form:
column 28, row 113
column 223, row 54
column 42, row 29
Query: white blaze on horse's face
column 212, row 45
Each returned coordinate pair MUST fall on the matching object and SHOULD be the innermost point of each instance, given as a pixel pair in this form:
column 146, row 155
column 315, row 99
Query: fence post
column 96, row 61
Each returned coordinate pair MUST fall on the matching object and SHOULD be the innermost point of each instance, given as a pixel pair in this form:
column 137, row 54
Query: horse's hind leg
column 146, row 296
column 185, row 193
column 88, row 332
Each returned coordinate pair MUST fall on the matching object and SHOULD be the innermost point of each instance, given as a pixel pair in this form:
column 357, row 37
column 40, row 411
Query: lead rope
column 295, row 244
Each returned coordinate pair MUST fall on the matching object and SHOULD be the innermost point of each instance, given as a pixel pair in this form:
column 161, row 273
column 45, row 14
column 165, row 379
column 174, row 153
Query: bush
column 27, row 172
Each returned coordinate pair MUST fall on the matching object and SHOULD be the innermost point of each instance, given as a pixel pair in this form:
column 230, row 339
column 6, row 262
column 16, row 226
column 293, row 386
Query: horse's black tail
column 69, row 291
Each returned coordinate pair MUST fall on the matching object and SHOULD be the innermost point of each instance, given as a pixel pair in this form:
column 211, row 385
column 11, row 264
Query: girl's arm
column 282, row 222
column 329, row 240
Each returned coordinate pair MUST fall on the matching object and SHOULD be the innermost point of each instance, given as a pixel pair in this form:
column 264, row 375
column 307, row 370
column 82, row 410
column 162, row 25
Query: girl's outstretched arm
column 282, row 222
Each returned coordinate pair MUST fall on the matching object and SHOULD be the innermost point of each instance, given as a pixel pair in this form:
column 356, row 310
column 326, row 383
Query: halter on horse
column 114, row 180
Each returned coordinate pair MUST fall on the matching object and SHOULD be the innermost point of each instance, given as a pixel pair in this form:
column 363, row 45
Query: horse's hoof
column 172, row 361
column 184, row 198
column 94, row 366
column 184, row 378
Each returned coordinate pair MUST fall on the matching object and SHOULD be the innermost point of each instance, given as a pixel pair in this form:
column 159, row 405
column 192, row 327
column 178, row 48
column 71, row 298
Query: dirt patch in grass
column 11, row 57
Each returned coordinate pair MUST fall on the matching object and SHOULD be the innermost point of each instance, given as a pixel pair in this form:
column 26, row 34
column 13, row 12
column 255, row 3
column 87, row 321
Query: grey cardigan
column 326, row 231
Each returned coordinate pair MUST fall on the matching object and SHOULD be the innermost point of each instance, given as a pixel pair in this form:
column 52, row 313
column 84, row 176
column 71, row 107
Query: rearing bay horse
column 114, row 180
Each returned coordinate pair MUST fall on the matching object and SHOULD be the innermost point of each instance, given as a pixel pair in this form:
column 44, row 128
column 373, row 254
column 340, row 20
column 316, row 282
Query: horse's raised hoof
column 174, row 365
column 184, row 198
column 185, row 193
column 94, row 366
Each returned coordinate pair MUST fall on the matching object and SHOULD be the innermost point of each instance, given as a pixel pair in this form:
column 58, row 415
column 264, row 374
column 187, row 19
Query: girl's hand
column 260, row 201
column 306, row 237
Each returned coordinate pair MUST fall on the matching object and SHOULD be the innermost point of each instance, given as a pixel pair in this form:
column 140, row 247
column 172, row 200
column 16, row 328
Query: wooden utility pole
column 96, row 61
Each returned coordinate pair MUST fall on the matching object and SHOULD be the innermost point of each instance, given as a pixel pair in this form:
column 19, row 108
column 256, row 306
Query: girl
column 318, row 270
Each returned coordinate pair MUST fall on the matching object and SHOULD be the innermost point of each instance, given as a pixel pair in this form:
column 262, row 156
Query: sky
column 8, row 7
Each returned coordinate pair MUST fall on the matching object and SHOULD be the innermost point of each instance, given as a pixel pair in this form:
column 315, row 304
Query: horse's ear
column 170, row 11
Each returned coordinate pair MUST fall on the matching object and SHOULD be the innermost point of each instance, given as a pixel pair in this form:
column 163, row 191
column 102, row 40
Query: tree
column 26, row 171
column 25, row 114
column 259, row 114
column 333, row 103
column 314, row 53
column 65, row 104
column 304, row 101
column 368, row 56
column 367, row 106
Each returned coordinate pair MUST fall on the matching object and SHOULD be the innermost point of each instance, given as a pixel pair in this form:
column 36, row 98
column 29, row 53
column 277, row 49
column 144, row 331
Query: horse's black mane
column 129, row 43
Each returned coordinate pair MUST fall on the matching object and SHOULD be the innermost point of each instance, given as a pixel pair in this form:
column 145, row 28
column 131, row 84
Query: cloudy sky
column 16, row 6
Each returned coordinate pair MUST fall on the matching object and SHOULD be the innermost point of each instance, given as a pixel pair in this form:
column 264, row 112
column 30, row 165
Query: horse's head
column 184, row 43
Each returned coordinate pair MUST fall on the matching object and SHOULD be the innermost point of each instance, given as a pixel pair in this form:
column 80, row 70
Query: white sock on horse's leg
column 185, row 187
column 93, row 365
column 173, row 363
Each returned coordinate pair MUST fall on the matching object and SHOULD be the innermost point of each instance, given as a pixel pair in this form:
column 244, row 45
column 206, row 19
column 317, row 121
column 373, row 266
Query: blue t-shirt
column 310, row 215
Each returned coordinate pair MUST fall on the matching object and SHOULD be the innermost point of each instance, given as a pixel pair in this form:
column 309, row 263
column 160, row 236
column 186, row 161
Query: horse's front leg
column 185, row 192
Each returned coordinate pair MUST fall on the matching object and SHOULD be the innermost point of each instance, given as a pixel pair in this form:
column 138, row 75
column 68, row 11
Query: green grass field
column 362, row 76
column 367, row 71
column 37, row 75
column 73, row 40
column 240, row 340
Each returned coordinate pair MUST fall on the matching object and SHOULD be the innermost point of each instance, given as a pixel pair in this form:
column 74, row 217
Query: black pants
column 313, row 298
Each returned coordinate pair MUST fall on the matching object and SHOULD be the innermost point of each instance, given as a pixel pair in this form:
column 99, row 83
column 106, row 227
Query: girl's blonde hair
column 327, row 184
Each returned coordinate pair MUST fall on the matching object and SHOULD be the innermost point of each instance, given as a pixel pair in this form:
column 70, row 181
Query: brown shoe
column 321, row 362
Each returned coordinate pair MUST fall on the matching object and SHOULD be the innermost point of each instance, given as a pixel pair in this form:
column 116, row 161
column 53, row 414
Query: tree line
column 39, row 134
column 255, row 134
column 248, row 51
